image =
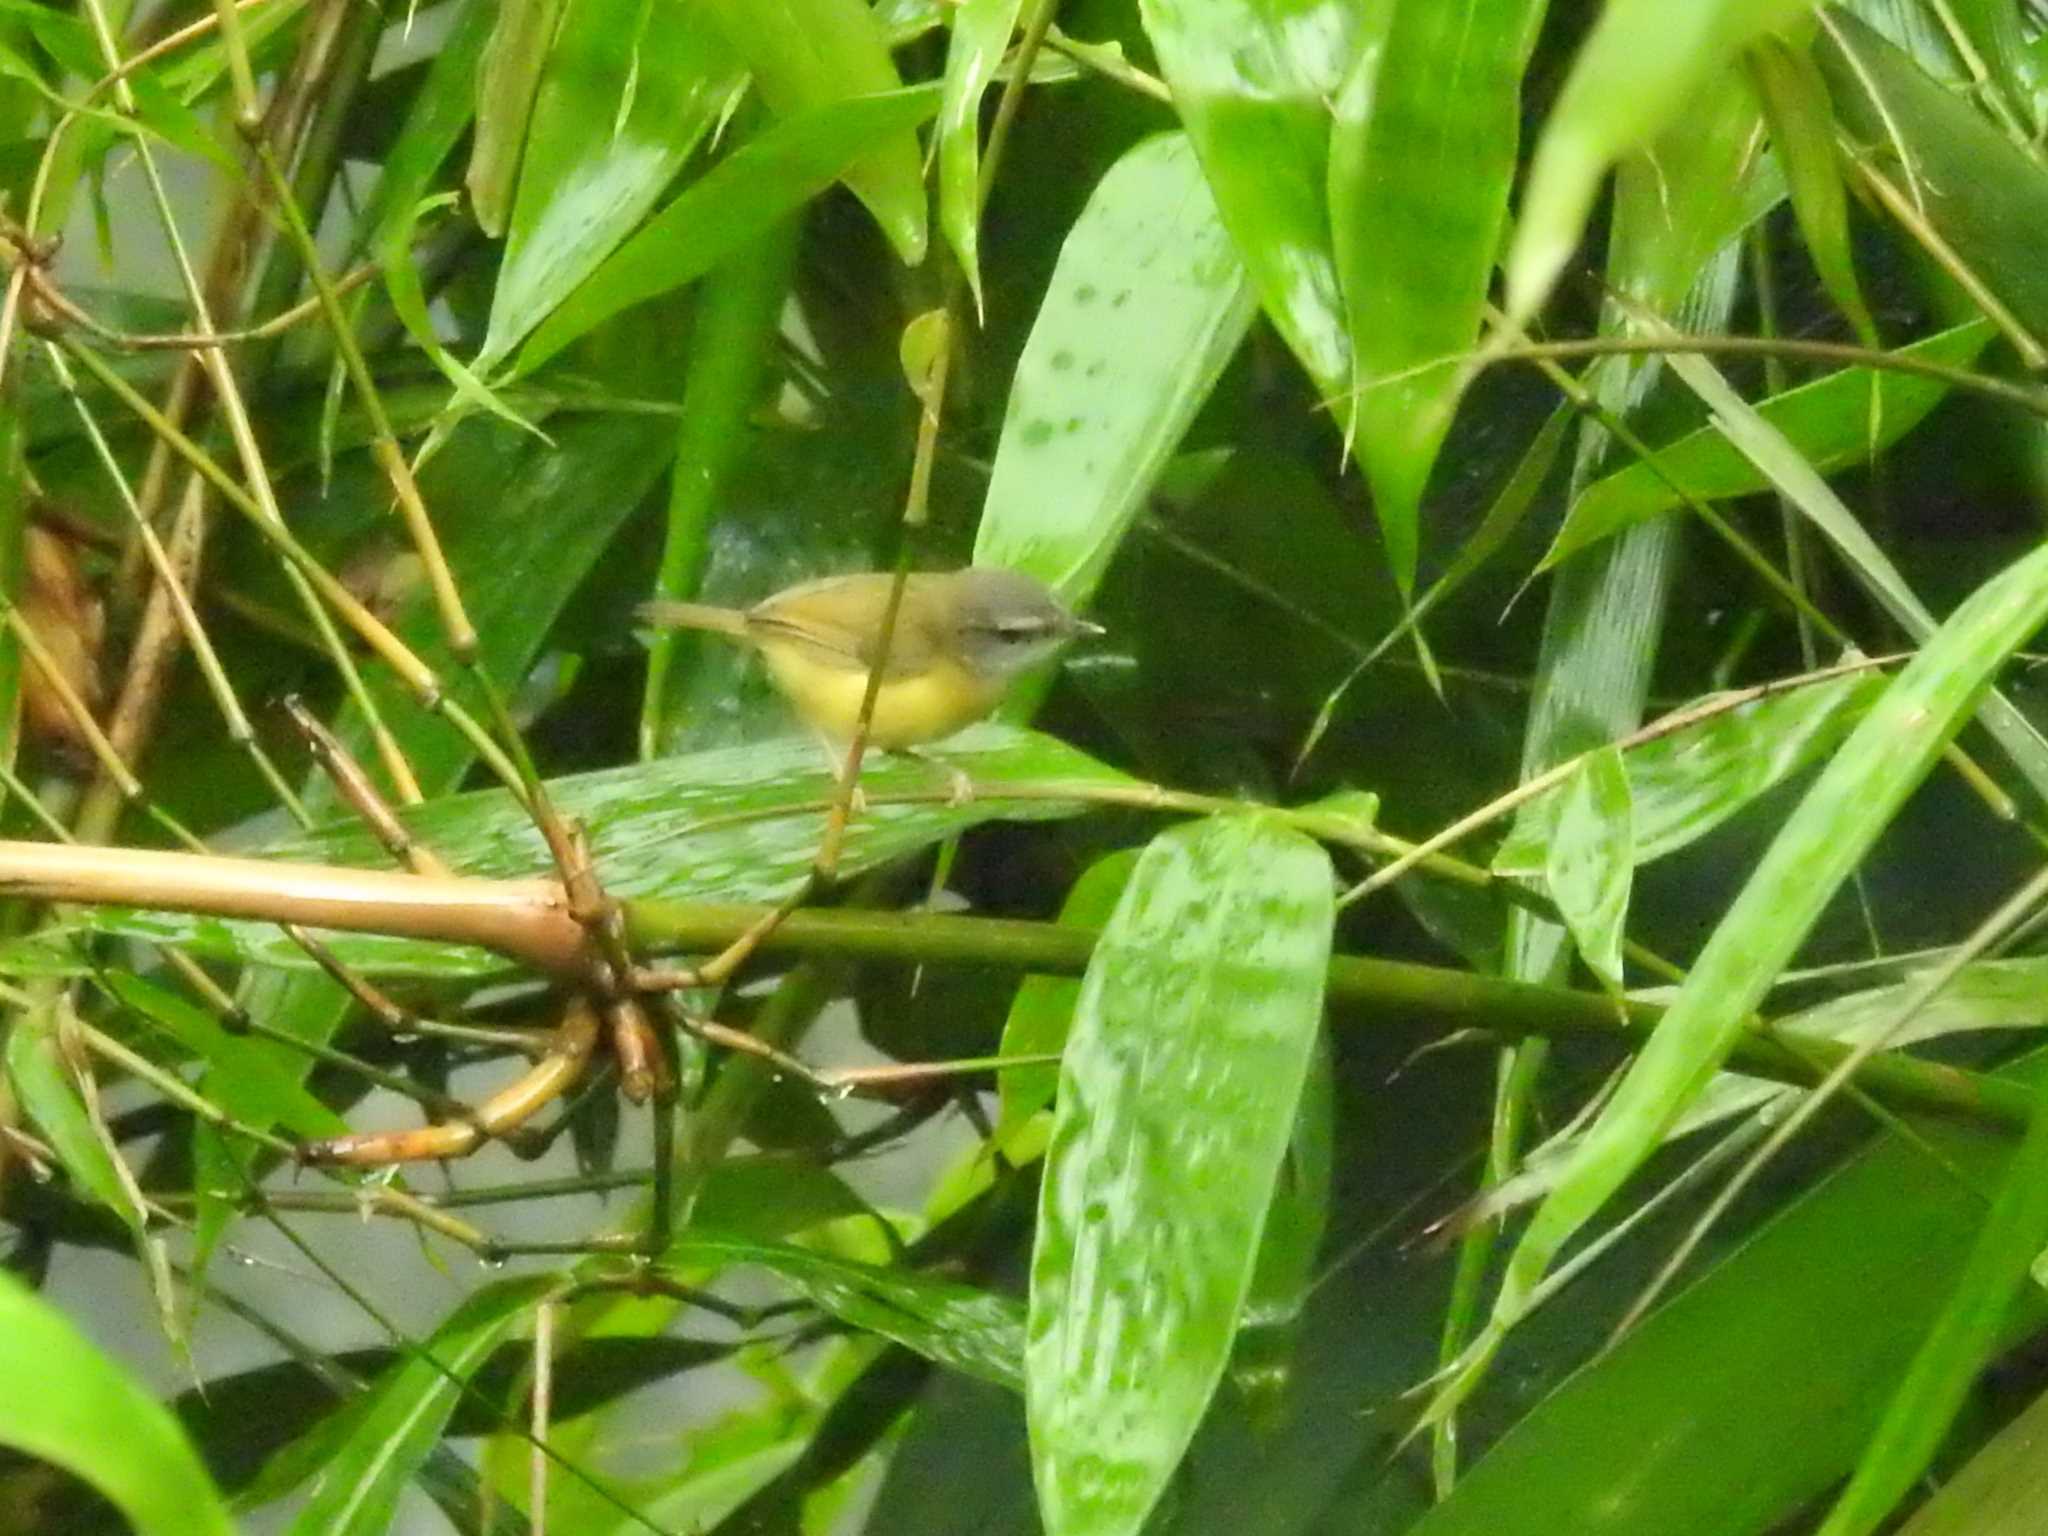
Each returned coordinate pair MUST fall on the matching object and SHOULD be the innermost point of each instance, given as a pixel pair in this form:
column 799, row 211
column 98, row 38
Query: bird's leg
column 835, row 764
column 961, row 784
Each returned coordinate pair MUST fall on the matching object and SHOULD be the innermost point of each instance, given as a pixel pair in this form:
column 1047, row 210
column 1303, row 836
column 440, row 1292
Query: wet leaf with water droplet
column 1192, row 1039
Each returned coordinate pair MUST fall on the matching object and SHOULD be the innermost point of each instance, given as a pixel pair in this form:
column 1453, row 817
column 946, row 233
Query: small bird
column 961, row 638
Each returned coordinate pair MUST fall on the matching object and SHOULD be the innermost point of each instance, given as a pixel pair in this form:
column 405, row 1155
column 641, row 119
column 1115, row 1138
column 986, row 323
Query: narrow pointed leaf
column 1997, row 1492
column 1178, row 1095
column 1251, row 80
column 1802, row 122
column 738, row 200
column 1043, row 1009
column 1982, row 194
column 44, row 1087
column 1835, row 422
column 1147, row 304
column 1668, row 1434
column 510, row 75
column 1821, row 844
column 1639, row 69
column 1684, row 785
column 587, row 178
column 981, row 31
column 807, row 54
column 1591, row 860
column 1796, row 479
column 401, row 1416
column 1959, row 1345
column 1422, row 154
column 962, row 1326
column 71, row 1406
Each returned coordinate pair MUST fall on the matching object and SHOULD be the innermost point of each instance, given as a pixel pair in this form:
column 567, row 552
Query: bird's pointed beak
column 1084, row 630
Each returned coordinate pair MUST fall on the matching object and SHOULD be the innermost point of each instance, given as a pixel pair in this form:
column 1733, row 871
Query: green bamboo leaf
column 981, row 31
column 1147, row 304
column 807, row 54
column 1984, row 196
column 442, row 108
column 738, row 316
column 507, row 79
column 392, row 1426
column 1436, row 86
column 1178, row 1095
column 71, row 1406
column 1802, row 123
column 1590, row 863
column 1684, row 785
column 2000, row 995
column 588, row 178
column 276, row 1096
column 1962, row 1341
column 1796, row 479
column 1290, row 1249
column 1677, row 212
column 738, row 200
column 1251, row 80
column 1998, row 1491
column 1643, row 66
column 1668, row 1433
column 2020, row 72
column 1834, row 423
column 1043, row 1009
column 735, row 824
column 960, row 1326
column 1883, row 761
column 44, row 1086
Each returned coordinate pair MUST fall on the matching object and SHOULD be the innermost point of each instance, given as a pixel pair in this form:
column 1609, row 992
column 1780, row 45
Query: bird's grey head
column 1008, row 622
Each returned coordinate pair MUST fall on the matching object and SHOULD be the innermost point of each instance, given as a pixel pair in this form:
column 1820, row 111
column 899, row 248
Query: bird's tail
column 668, row 615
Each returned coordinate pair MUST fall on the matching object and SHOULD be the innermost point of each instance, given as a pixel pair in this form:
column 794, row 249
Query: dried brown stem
column 506, row 1110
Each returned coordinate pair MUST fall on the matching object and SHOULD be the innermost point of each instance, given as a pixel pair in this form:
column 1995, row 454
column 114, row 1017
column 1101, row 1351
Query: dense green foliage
column 1636, row 404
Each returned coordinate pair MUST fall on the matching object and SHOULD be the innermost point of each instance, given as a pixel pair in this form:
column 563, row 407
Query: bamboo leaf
column 70, row 1405
column 738, row 313
column 1966, row 1333
column 1792, row 475
column 1885, row 758
column 1802, row 123
column 1998, row 1491
column 738, row 200
column 1591, row 860
column 1982, row 194
column 362, row 1457
column 588, row 177
column 441, row 109
column 1043, row 1010
column 1178, row 1095
column 506, row 82
column 1147, row 304
column 1642, row 66
column 1435, row 86
column 1684, row 785
column 1834, row 423
column 1250, row 80
column 808, row 54
column 980, row 32
column 1290, row 1248
column 43, row 1084
column 960, row 1326
column 1666, row 1434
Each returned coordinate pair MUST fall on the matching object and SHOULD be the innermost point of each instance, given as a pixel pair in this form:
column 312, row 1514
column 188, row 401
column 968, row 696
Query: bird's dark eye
column 1018, row 631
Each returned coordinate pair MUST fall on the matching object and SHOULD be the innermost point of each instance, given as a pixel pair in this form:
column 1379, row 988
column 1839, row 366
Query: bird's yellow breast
column 909, row 711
